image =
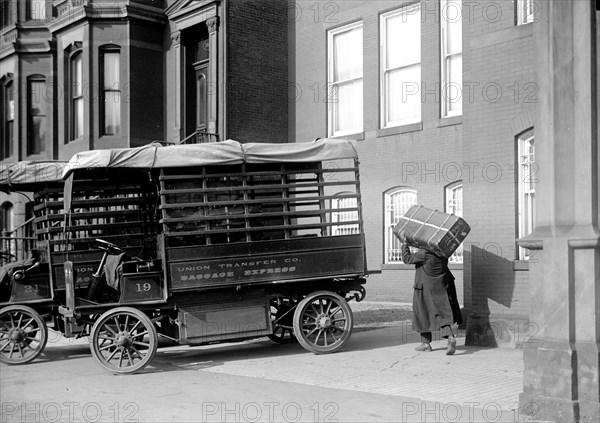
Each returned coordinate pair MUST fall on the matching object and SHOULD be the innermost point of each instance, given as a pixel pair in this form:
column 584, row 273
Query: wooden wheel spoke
column 33, row 331
column 107, row 327
column 20, row 349
column 342, row 319
column 335, row 311
column 5, row 345
column 12, row 321
column 106, row 338
column 112, row 355
column 141, row 344
column 329, row 304
column 116, row 319
column 314, row 309
column 27, row 324
column 12, row 349
column 333, row 336
column 137, row 335
column 129, row 358
column 105, row 347
column 121, row 359
column 3, row 323
column 135, row 326
column 135, row 350
column 126, row 322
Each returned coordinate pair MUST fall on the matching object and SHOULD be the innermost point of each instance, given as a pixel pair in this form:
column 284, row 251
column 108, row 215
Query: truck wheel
column 323, row 322
column 23, row 334
column 124, row 340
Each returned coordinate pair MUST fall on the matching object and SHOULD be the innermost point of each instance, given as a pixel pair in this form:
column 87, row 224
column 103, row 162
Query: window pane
column 38, row 134
column 347, row 55
column 36, row 10
column 36, row 99
column 451, row 15
column 77, row 75
column 526, row 174
column 111, row 71
column 453, row 84
column 78, row 118
column 348, row 107
column 403, row 95
column 403, row 38
column 112, row 113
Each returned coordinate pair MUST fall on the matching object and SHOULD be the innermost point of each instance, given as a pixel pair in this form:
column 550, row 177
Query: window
column 524, row 9
column 8, row 13
column 347, row 211
column 8, row 119
column 111, row 92
column 345, row 77
column 451, row 65
column 401, row 66
column 454, row 205
column 397, row 203
column 36, row 10
column 526, row 188
column 6, row 212
column 36, row 116
column 75, row 107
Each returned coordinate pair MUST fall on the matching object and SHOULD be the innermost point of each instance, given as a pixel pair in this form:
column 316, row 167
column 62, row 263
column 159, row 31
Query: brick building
column 92, row 74
column 440, row 97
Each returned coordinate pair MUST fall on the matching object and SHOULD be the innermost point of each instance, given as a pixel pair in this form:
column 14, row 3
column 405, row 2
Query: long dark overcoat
column 434, row 299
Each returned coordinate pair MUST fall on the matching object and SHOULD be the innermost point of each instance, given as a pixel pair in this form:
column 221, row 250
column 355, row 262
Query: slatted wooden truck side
column 234, row 241
column 29, row 295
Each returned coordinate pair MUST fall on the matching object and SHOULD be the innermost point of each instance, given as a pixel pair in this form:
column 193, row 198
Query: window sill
column 397, row 266
column 455, row 266
column 520, row 265
column 396, row 130
column 450, row 121
column 358, row 136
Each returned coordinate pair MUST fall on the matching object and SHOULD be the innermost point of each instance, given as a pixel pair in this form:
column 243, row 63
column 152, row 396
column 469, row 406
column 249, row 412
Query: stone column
column 213, row 87
column 176, row 40
column 560, row 381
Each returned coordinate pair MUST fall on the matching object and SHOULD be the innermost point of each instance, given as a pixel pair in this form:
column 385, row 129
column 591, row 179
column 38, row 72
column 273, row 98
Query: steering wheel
column 109, row 247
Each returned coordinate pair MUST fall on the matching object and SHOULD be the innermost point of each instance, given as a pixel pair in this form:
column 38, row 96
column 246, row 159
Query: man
column 434, row 298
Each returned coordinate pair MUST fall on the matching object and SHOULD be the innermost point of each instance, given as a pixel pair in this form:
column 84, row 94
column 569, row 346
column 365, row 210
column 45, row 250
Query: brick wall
column 474, row 147
column 257, row 70
column 500, row 105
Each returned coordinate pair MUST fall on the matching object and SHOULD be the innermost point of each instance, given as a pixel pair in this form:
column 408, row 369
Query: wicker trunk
column 432, row 230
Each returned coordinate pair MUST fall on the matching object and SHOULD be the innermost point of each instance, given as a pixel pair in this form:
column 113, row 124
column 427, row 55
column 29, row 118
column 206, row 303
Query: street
column 378, row 378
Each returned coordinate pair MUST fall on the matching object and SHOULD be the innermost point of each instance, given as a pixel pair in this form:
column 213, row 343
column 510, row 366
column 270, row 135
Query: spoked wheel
column 124, row 340
column 282, row 320
column 23, row 334
column 323, row 322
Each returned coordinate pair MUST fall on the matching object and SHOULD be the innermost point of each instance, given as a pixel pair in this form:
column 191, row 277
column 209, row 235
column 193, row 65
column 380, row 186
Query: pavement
column 474, row 385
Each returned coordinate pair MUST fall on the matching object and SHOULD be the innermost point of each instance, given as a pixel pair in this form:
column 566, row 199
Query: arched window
column 36, row 114
column 74, row 85
column 526, row 179
column 110, row 110
column 7, row 94
column 397, row 202
column 454, row 205
column 346, row 210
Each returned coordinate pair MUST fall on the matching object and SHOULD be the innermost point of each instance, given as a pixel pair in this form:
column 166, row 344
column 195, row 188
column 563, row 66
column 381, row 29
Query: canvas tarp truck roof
column 219, row 153
column 27, row 175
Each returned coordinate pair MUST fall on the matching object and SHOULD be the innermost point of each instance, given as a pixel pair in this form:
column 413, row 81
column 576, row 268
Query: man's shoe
column 423, row 347
column 451, row 345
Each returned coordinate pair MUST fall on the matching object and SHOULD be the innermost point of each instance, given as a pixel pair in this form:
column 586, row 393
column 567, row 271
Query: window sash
column 111, row 93
column 451, row 60
column 454, row 205
column 525, row 11
column 36, row 10
column 526, row 187
column 36, row 117
column 345, row 80
column 400, row 67
column 76, row 104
